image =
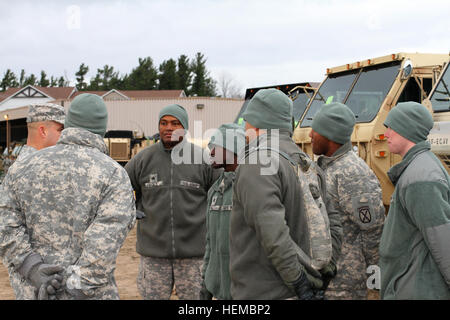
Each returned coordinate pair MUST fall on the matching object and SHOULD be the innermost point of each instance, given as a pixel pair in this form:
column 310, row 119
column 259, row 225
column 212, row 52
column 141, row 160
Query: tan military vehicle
column 125, row 144
column 371, row 88
column 300, row 93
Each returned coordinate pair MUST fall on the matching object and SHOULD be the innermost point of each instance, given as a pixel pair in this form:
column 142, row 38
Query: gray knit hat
column 269, row 109
column 177, row 111
column 411, row 120
column 334, row 121
column 230, row 136
column 88, row 111
column 46, row 112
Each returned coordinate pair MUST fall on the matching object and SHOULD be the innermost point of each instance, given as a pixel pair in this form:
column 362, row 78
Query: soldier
column 414, row 254
column 171, row 182
column 68, row 207
column 44, row 123
column 355, row 192
column 268, row 225
column 225, row 144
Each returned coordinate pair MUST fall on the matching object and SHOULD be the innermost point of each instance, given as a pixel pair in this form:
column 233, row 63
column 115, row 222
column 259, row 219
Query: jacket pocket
column 403, row 285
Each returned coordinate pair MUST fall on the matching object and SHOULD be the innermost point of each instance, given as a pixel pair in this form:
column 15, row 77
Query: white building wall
column 20, row 102
column 142, row 115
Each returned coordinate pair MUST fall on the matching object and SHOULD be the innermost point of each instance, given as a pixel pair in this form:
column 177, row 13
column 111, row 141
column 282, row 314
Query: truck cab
column 300, row 93
column 371, row 88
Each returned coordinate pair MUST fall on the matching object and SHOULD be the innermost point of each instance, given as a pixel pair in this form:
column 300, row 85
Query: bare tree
column 228, row 87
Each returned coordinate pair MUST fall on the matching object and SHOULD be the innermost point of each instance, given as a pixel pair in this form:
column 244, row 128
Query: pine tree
column 104, row 79
column 43, row 82
column 95, row 83
column 31, row 80
column 61, row 82
column 83, row 70
column 203, row 84
column 168, row 75
column 9, row 80
column 144, row 76
column 184, row 73
column 53, row 82
column 22, row 78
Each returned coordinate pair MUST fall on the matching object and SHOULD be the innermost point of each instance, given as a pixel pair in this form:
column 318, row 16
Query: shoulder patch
column 364, row 213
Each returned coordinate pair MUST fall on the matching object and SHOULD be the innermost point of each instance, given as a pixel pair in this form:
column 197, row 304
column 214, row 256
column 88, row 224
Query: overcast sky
column 257, row 43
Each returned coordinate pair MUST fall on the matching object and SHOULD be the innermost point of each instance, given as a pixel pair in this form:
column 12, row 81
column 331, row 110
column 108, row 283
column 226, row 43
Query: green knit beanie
column 269, row 109
column 411, row 120
column 176, row 111
column 229, row 136
column 88, row 111
column 334, row 121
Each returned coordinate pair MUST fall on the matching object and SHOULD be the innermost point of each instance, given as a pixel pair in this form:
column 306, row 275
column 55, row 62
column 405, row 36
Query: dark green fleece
column 173, row 197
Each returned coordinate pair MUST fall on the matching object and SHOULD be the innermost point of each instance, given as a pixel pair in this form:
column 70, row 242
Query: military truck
column 124, row 144
column 300, row 93
column 371, row 88
column 439, row 103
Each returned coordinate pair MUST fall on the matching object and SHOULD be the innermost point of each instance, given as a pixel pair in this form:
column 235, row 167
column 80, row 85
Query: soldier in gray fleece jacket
column 268, row 224
column 171, row 182
column 414, row 253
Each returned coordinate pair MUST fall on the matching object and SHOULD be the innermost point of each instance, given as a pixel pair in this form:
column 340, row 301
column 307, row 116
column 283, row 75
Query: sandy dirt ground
column 126, row 272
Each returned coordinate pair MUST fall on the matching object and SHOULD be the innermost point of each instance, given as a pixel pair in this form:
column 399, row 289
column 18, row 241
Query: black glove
column 140, row 214
column 328, row 273
column 303, row 288
column 204, row 293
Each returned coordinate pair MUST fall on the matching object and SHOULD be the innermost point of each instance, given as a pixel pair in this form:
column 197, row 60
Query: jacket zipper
column 171, row 209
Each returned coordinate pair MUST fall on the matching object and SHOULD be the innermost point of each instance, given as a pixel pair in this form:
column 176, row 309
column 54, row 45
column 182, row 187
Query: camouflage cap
column 46, row 112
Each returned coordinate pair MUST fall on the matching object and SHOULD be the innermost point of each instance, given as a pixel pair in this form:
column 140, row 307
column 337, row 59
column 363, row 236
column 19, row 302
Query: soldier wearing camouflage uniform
column 355, row 192
column 44, row 123
column 66, row 210
column 171, row 182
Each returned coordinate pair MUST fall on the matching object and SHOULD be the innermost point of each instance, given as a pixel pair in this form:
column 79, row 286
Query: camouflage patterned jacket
column 24, row 152
column 355, row 192
column 73, row 205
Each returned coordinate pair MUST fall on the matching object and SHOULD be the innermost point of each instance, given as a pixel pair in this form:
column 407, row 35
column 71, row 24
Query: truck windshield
column 299, row 106
column 334, row 89
column 440, row 98
column 366, row 97
column 370, row 90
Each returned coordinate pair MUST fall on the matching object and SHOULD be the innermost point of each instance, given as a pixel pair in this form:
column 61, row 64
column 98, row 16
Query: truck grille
column 119, row 150
column 445, row 161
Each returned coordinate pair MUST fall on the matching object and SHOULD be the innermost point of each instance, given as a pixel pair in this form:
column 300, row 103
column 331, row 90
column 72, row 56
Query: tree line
column 190, row 75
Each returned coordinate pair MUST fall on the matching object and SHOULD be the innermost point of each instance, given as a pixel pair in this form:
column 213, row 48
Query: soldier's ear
column 42, row 131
